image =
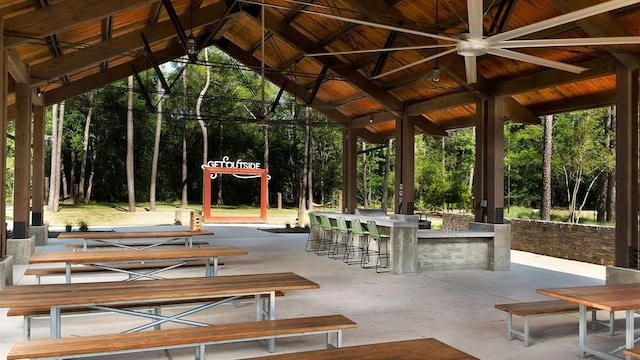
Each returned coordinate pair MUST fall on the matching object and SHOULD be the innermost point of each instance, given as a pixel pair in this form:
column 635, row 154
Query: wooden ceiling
column 72, row 46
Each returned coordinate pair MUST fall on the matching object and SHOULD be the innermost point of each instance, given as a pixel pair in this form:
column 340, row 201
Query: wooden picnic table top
column 84, row 257
column 419, row 349
column 140, row 292
column 132, row 234
column 603, row 297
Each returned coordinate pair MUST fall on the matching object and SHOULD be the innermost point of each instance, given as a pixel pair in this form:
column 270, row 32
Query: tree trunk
column 85, row 148
column 62, row 179
column 72, row 176
column 156, row 151
column 309, row 130
column 545, row 205
column 385, row 179
column 185, row 200
column 219, row 200
column 203, row 126
column 603, row 204
column 302, row 204
column 87, row 197
column 611, row 176
column 365, row 182
column 130, row 176
column 54, row 189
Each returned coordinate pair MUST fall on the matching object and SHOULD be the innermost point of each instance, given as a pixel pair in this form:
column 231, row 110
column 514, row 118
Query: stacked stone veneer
column 588, row 243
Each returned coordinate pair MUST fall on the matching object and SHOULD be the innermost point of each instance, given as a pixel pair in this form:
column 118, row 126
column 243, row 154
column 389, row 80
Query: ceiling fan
column 473, row 43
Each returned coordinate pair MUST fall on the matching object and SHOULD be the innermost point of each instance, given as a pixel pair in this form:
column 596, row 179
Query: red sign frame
column 206, row 199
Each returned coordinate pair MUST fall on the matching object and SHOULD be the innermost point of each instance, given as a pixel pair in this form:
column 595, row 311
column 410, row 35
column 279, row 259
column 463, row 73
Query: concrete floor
column 456, row 307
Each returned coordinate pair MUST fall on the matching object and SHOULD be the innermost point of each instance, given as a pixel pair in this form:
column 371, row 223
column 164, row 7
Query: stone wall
column 587, row 243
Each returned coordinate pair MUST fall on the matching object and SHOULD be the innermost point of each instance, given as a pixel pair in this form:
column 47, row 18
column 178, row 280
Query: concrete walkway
column 456, row 307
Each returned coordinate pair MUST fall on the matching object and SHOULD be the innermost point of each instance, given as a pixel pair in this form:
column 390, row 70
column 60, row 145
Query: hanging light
column 435, row 75
column 191, row 44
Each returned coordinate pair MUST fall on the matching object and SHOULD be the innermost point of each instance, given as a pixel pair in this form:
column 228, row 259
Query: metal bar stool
column 361, row 236
column 340, row 240
column 328, row 230
column 314, row 233
column 381, row 250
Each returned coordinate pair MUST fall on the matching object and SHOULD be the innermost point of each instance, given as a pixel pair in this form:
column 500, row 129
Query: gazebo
column 379, row 68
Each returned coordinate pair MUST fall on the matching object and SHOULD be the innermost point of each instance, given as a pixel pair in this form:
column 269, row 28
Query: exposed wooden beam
column 60, row 17
column 574, row 103
column 306, row 45
column 125, row 45
column 296, row 90
column 427, row 126
column 602, row 25
column 372, row 119
column 442, row 102
column 348, row 99
column 17, row 69
column 515, row 112
column 107, row 77
column 545, row 79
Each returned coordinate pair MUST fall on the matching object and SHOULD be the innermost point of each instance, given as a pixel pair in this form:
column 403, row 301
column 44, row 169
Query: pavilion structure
column 379, row 69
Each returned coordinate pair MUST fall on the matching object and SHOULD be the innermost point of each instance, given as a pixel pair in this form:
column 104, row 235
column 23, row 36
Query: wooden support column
column 37, row 201
column 4, row 90
column 488, row 192
column 22, row 179
column 349, row 170
column 626, row 167
column 405, row 165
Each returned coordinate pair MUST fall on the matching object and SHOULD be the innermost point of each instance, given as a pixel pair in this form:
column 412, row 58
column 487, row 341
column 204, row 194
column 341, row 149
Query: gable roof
column 71, row 47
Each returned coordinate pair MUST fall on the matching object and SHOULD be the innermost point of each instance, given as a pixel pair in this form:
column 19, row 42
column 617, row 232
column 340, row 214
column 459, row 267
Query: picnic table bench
column 419, row 349
column 199, row 337
column 39, row 272
column 131, row 245
column 110, row 237
column 633, row 353
column 112, row 259
column 543, row 307
column 35, row 312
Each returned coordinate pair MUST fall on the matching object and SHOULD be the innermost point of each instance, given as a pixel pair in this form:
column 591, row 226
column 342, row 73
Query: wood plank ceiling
column 74, row 46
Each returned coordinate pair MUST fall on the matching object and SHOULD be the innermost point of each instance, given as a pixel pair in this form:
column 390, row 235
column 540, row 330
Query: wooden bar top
column 132, row 234
column 139, row 292
column 84, row 257
column 421, row 349
column 604, row 297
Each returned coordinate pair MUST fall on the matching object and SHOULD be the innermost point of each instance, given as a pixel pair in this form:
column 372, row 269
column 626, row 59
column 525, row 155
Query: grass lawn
column 94, row 215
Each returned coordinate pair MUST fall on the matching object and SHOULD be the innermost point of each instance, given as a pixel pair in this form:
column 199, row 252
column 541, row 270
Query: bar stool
column 314, row 233
column 352, row 247
column 382, row 247
column 328, row 230
column 340, row 240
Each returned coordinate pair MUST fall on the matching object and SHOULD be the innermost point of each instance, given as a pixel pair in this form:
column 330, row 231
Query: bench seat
column 31, row 313
column 199, row 243
column 544, row 307
column 39, row 272
column 85, row 346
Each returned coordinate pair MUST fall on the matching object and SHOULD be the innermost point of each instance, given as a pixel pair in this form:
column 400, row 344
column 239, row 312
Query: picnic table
column 112, row 238
column 623, row 297
column 206, row 292
column 109, row 259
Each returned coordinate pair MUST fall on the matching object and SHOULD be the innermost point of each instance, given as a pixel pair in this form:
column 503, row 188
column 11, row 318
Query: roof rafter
column 60, row 17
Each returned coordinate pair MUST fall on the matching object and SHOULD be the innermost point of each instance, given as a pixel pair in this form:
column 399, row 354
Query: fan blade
column 475, row 19
column 536, row 60
column 560, row 20
column 471, row 69
column 380, row 50
column 353, row 21
column 621, row 40
column 413, row 64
